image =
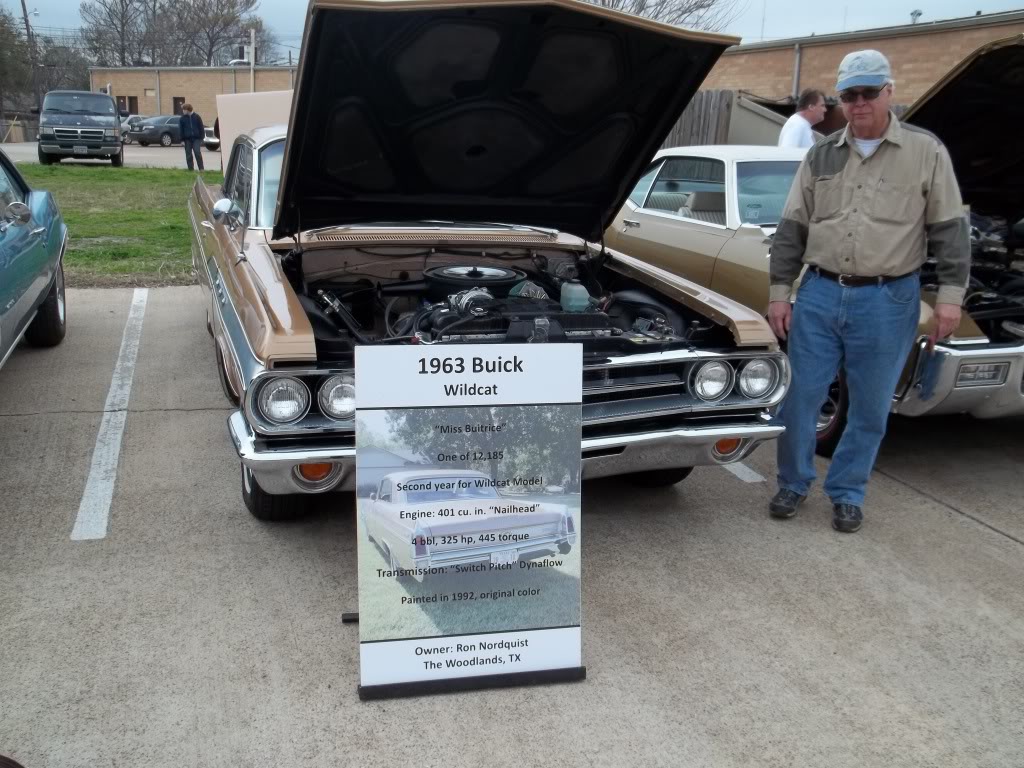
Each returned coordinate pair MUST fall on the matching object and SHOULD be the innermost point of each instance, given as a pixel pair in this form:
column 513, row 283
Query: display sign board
column 468, row 514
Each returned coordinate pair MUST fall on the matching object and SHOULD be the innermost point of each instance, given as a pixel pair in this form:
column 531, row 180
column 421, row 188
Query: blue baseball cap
column 863, row 68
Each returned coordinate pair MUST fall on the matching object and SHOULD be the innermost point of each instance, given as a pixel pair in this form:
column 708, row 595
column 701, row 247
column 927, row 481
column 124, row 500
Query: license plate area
column 506, row 557
column 81, row 150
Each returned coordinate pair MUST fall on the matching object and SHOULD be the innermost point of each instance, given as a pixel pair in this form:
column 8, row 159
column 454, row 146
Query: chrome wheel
column 830, row 409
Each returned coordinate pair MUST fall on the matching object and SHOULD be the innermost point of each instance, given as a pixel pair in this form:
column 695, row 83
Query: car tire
column 660, row 478
column 48, row 327
column 268, row 507
column 117, row 161
column 165, row 140
column 832, row 418
column 45, row 159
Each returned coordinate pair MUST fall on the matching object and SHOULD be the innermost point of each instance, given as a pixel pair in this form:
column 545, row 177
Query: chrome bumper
column 56, row 149
column 274, row 469
column 983, row 402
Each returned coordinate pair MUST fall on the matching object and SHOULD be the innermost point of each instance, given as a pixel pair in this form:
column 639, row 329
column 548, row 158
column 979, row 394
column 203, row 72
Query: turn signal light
column 315, row 473
column 726, row 446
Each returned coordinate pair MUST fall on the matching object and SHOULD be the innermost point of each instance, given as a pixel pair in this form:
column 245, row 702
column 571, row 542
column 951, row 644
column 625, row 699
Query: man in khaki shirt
column 867, row 204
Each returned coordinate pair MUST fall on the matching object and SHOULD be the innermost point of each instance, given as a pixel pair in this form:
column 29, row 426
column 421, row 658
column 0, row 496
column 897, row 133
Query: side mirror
column 17, row 214
column 225, row 209
column 34, row 110
column 123, row 112
column 373, row 496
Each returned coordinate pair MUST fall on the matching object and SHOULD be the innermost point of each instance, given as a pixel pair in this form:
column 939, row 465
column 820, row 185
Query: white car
column 417, row 520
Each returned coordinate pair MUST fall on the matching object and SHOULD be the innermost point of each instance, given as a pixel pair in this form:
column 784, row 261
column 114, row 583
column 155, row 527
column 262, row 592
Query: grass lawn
column 128, row 226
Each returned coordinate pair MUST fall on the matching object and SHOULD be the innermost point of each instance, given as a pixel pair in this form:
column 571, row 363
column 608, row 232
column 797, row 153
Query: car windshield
column 271, row 158
column 438, row 492
column 78, row 104
column 762, row 187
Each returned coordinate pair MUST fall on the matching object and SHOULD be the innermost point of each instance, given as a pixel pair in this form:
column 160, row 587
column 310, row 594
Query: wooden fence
column 705, row 121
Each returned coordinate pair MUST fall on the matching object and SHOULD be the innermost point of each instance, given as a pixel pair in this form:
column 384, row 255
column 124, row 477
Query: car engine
column 493, row 303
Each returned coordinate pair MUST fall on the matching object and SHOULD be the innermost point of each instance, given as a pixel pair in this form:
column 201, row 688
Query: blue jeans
column 868, row 332
column 193, row 147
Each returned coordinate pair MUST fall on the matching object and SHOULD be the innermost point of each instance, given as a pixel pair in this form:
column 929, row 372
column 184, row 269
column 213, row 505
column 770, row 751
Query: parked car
column 162, row 129
column 79, row 124
column 126, row 127
column 402, row 518
column 392, row 190
column 33, row 238
column 708, row 213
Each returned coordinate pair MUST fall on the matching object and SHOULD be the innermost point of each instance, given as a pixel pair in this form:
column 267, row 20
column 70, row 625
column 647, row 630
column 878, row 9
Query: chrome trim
column 728, row 390
column 610, row 455
column 266, row 382
column 238, row 340
column 325, row 425
column 323, row 486
column 17, row 340
column 983, row 402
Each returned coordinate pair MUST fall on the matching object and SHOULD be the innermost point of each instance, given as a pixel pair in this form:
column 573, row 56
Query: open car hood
column 534, row 113
column 976, row 110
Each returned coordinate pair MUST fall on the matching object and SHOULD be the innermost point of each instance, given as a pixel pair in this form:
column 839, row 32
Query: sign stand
column 468, row 516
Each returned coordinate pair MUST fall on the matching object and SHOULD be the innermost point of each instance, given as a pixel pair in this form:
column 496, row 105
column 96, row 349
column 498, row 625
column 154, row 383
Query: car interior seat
column 705, row 206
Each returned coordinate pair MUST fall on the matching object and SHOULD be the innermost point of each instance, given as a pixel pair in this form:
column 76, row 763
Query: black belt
column 853, row 281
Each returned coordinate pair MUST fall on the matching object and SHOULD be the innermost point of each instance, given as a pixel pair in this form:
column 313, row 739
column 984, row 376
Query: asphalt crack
column 952, row 507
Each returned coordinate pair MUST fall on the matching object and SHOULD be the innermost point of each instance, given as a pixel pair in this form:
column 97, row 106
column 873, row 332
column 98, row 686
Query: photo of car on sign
column 478, row 544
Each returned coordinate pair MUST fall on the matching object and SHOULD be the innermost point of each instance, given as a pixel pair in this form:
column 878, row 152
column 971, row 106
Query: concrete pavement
column 194, row 635
column 135, row 156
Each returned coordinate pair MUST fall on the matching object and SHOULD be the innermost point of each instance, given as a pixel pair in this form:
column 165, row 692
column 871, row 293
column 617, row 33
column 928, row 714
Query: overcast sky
column 782, row 18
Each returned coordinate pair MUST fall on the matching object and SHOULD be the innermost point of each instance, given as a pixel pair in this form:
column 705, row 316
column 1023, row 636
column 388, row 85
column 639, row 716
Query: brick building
column 162, row 90
column 919, row 53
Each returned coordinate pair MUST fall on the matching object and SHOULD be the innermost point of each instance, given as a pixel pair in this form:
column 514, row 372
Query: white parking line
column 94, row 509
column 743, row 472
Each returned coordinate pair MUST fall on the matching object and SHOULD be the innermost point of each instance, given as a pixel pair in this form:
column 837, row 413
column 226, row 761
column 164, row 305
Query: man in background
column 810, row 110
column 192, row 133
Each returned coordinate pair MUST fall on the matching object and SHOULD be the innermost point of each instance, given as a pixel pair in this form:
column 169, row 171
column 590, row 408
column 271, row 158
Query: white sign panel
column 468, row 495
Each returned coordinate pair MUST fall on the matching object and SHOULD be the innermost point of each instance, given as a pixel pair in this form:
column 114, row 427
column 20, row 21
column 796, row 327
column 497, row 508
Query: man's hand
column 947, row 318
column 780, row 313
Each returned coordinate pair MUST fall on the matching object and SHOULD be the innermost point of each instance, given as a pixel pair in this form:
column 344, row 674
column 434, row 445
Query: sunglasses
column 869, row 94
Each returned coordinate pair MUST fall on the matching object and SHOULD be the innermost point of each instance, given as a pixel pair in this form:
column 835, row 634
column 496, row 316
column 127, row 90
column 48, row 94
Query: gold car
column 708, row 214
column 445, row 178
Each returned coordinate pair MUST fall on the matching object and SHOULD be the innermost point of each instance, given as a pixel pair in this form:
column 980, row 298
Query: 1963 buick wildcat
column 446, row 175
column 406, row 518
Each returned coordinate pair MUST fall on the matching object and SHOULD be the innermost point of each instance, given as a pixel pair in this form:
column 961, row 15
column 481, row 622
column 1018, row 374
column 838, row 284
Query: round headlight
column 284, row 400
column 757, row 378
column 338, row 397
column 712, row 380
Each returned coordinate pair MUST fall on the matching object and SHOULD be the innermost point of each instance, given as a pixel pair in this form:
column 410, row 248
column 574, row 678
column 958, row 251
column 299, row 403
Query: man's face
column 865, row 107
column 816, row 112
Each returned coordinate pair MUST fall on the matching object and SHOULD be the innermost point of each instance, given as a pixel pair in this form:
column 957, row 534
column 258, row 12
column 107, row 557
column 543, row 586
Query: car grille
column 620, row 395
column 645, row 386
column 78, row 134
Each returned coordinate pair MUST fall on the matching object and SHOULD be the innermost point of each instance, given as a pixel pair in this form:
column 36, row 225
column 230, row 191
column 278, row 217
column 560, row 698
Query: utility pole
column 31, row 54
column 252, row 59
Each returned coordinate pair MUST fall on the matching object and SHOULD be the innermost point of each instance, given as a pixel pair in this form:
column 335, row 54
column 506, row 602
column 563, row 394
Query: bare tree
column 61, row 66
column 15, row 75
column 710, row 15
column 266, row 40
column 212, row 26
column 113, row 30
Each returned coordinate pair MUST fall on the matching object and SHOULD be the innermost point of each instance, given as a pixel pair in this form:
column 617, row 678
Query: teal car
column 33, row 238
